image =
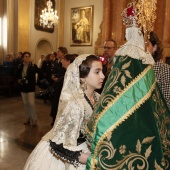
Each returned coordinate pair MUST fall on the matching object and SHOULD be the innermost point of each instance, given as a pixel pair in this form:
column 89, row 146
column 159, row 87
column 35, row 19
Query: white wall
column 97, row 19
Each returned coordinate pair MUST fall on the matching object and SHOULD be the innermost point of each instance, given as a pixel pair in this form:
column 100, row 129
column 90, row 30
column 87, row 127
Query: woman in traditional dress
column 76, row 104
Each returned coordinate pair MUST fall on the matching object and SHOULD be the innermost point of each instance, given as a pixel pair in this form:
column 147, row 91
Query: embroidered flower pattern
column 117, row 89
column 122, row 149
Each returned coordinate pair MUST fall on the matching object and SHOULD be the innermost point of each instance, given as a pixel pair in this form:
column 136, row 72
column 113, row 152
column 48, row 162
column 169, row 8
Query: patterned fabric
column 162, row 72
column 130, row 126
column 134, row 47
column 73, row 113
column 109, row 67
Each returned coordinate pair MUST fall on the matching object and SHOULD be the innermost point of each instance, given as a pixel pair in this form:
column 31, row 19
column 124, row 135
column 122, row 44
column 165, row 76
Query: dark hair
column 70, row 57
column 20, row 52
column 76, row 55
column 86, row 65
column 158, row 54
column 26, row 52
column 47, row 57
column 63, row 50
column 55, row 54
column 112, row 40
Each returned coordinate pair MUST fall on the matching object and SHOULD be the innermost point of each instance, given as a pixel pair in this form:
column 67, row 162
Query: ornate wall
column 112, row 26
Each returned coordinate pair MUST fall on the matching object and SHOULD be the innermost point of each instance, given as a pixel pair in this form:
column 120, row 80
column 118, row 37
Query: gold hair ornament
column 146, row 15
column 140, row 14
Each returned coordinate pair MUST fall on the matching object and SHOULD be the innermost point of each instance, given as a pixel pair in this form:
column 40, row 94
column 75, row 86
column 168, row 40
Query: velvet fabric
column 130, row 126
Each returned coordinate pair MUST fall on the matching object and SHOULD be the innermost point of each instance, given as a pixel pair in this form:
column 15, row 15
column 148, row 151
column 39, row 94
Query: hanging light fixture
column 49, row 17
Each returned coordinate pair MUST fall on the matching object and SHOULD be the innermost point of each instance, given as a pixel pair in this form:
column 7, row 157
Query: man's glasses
column 109, row 48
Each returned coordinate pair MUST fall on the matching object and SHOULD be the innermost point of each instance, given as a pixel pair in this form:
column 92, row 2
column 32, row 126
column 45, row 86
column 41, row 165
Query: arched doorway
column 43, row 47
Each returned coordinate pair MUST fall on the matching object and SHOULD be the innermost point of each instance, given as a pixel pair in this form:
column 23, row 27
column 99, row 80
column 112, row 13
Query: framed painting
column 81, row 26
column 39, row 6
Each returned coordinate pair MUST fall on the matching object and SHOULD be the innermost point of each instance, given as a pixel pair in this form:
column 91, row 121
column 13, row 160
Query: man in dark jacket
column 27, row 81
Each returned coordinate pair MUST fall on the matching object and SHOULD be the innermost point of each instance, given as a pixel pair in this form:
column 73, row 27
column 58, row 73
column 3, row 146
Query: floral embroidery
column 163, row 122
column 117, row 89
column 128, row 159
column 122, row 149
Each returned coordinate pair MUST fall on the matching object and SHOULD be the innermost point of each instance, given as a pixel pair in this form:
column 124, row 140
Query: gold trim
column 117, row 97
column 129, row 113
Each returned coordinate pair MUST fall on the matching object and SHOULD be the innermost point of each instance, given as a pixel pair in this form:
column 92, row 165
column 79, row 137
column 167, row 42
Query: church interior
column 20, row 31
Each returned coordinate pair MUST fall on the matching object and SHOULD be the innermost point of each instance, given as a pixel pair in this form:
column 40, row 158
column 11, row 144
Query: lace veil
column 70, row 104
column 71, row 87
column 135, row 46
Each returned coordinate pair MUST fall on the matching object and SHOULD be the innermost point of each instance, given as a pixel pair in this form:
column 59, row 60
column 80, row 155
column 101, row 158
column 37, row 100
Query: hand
column 83, row 157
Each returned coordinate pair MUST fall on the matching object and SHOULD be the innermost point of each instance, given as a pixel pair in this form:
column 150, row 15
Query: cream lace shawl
column 135, row 47
column 74, row 111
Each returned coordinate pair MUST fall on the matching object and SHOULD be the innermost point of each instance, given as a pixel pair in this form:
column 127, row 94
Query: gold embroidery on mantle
column 163, row 122
column 114, row 100
column 124, row 117
column 128, row 157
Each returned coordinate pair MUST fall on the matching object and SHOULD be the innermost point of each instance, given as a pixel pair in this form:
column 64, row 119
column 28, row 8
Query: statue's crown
column 130, row 15
column 141, row 14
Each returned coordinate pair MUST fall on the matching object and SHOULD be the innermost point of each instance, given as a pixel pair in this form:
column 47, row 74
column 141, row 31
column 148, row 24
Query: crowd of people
column 48, row 74
column 111, row 113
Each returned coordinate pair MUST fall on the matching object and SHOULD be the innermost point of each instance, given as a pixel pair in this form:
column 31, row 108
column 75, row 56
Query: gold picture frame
column 82, row 26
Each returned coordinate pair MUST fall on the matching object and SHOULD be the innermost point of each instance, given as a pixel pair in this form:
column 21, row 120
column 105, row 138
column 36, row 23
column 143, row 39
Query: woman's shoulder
column 74, row 102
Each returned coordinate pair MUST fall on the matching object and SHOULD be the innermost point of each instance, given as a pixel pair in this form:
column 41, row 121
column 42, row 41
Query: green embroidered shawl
column 130, row 126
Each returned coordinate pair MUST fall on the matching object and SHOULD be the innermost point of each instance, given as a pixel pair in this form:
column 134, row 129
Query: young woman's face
column 95, row 78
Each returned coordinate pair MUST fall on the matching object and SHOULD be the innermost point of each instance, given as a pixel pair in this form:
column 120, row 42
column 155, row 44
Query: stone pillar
column 112, row 20
column 12, row 27
column 106, row 28
column 166, row 25
column 60, row 26
column 23, row 25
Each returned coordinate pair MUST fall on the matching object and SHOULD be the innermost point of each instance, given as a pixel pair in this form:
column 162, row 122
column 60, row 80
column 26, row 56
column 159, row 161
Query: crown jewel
column 141, row 14
column 130, row 15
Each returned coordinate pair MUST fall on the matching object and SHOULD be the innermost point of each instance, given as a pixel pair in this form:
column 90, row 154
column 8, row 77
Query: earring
column 83, row 85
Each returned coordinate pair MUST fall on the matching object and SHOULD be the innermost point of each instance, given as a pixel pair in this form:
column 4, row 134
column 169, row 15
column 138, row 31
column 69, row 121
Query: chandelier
column 49, row 16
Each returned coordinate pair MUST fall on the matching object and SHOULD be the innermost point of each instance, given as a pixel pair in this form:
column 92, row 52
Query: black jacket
column 28, row 82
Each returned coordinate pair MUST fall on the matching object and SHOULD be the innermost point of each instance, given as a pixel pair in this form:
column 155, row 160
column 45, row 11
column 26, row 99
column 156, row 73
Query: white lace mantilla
column 134, row 47
column 74, row 111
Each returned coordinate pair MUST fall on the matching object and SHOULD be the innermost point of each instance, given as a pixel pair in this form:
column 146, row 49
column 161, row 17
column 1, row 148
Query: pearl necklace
column 89, row 101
